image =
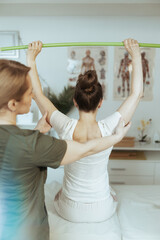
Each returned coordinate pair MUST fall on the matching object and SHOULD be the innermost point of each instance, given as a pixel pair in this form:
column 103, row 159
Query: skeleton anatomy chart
column 123, row 70
column 82, row 59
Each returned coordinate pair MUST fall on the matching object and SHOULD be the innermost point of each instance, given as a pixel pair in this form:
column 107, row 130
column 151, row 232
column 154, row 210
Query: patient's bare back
column 84, row 132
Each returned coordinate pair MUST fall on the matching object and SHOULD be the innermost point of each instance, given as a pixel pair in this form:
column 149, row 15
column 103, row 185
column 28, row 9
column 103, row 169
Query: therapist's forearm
column 76, row 151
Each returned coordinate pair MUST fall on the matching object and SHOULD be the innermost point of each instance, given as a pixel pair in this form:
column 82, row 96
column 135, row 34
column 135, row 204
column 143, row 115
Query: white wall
column 53, row 61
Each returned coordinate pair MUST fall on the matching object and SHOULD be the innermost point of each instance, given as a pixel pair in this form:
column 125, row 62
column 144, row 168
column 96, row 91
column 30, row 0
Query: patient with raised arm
column 86, row 195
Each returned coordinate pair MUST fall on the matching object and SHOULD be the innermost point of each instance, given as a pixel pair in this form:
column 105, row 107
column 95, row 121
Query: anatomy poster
column 82, row 59
column 123, row 71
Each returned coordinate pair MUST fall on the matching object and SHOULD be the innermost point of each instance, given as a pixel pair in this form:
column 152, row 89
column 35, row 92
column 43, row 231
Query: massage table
column 138, row 216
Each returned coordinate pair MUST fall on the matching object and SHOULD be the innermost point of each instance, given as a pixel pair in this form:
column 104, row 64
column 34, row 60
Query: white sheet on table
column 139, row 215
column 139, row 212
column 61, row 229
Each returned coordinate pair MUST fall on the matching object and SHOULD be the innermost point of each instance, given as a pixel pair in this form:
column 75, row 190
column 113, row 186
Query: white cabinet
column 136, row 172
column 131, row 167
column 131, row 180
column 131, row 172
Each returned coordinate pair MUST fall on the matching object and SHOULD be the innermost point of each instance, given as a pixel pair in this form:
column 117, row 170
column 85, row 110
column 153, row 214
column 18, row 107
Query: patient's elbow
column 141, row 95
column 138, row 96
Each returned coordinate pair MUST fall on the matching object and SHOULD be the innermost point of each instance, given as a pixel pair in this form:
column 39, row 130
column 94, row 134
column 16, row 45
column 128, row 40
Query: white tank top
column 85, row 180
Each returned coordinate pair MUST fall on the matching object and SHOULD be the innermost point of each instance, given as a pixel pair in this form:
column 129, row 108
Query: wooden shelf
column 141, row 147
column 151, row 156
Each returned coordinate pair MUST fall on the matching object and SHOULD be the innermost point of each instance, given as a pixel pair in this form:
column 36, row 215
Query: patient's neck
column 87, row 117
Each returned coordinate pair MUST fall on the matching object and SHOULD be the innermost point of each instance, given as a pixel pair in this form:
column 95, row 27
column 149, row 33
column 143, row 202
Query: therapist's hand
column 43, row 126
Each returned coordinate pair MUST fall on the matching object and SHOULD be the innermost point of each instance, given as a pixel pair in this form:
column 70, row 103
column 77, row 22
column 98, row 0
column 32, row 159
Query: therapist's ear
column 12, row 105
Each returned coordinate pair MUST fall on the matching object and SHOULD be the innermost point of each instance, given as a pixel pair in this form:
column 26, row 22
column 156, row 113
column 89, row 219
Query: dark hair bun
column 88, row 91
column 88, row 81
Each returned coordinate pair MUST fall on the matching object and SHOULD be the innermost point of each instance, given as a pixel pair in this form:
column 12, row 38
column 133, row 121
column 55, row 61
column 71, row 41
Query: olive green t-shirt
column 24, row 156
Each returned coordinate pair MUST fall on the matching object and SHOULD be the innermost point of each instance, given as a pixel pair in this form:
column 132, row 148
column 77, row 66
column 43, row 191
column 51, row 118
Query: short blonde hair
column 13, row 82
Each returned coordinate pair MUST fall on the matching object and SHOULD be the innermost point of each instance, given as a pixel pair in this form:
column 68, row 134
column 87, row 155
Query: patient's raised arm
column 130, row 104
column 44, row 104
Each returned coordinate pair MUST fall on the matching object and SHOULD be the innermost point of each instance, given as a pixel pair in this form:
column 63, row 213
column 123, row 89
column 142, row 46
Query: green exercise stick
column 70, row 44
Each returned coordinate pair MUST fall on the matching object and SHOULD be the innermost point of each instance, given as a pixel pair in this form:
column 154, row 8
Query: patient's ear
column 100, row 103
column 75, row 103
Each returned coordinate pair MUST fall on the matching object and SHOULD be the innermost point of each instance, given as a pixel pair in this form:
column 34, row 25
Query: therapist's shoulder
column 40, row 142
